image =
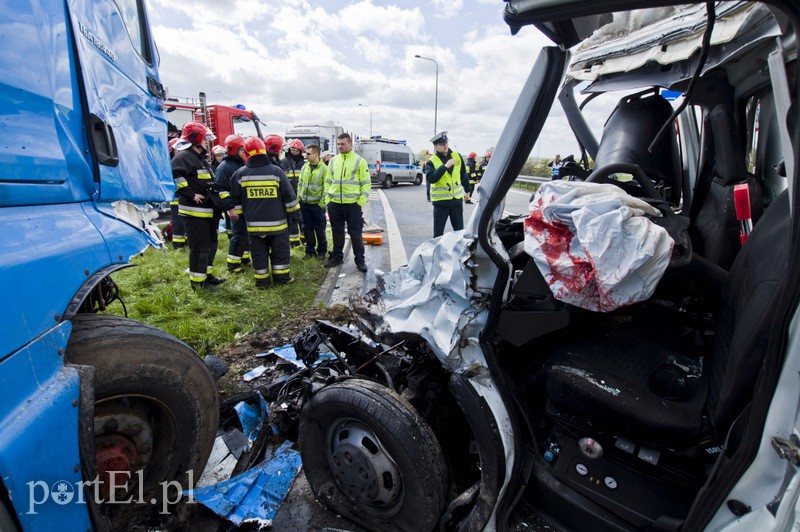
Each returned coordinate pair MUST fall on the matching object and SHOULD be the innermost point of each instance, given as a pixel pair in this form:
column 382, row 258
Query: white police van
column 390, row 161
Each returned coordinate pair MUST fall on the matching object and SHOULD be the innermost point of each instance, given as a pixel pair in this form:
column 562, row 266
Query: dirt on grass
column 241, row 356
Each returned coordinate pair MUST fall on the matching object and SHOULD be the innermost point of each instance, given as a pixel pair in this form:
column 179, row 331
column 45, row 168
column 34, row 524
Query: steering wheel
column 600, row 175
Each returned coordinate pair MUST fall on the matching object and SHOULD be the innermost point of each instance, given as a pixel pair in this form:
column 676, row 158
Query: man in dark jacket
column 472, row 173
column 199, row 202
column 447, row 174
column 292, row 165
column 267, row 199
column 239, row 245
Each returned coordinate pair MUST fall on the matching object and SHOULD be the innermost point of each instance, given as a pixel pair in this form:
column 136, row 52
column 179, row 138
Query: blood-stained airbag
column 595, row 245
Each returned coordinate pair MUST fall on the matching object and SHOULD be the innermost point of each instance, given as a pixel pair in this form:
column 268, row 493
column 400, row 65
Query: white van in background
column 390, row 161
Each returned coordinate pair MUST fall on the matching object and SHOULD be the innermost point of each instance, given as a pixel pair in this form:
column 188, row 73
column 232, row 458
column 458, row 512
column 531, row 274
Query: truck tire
column 156, row 405
column 369, row 456
column 418, row 180
column 387, row 182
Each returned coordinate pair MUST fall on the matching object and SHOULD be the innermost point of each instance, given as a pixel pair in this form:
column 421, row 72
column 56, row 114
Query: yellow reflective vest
column 348, row 181
column 449, row 185
column 311, row 187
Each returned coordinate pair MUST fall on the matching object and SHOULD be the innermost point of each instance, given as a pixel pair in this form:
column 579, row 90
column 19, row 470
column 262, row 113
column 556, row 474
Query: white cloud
column 447, row 8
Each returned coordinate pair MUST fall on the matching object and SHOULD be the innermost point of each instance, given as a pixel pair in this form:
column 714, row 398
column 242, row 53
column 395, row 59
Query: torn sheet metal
column 288, row 354
column 255, row 495
column 431, row 298
column 665, row 36
column 594, row 244
column 252, row 418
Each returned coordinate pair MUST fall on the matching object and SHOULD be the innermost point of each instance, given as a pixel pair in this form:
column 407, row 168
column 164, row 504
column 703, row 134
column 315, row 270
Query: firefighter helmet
column 488, row 155
column 472, row 155
column 254, row 146
column 218, row 150
column 297, row 144
column 196, row 133
column 233, row 143
column 273, row 143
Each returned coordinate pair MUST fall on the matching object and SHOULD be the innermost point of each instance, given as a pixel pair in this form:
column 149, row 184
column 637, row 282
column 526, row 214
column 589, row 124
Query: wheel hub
column 363, row 470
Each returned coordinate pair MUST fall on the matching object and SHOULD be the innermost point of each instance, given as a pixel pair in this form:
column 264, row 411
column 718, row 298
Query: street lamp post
column 225, row 95
column 370, row 116
column 436, row 100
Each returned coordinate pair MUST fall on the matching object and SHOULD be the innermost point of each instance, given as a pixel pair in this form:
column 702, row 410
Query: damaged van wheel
column 369, row 456
column 155, row 414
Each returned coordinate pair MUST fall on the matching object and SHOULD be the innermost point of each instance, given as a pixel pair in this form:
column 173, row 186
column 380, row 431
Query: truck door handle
column 104, row 145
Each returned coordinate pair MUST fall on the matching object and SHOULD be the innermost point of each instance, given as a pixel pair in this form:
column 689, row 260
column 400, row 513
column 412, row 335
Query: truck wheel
column 418, row 180
column 387, row 182
column 156, row 407
column 369, row 456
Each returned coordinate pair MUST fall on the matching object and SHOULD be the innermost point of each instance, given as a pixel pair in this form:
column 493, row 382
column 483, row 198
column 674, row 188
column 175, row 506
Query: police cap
column 439, row 138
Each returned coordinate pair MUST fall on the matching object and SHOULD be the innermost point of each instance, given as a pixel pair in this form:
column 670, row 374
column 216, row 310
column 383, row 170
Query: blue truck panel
column 39, row 436
column 41, row 121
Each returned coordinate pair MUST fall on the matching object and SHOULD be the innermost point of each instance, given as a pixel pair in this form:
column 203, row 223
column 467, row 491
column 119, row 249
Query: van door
column 126, row 122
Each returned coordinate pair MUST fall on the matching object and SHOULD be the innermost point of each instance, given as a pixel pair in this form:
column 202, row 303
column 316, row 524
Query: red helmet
column 172, row 143
column 273, row 143
column 233, row 143
column 254, row 146
column 296, row 144
column 472, row 155
column 488, row 155
column 196, row 133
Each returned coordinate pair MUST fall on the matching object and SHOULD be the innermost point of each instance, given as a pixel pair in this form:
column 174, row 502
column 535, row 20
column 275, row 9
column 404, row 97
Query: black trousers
column 239, row 244
column 349, row 214
column 314, row 228
column 178, row 231
column 442, row 213
column 270, row 254
column 201, row 234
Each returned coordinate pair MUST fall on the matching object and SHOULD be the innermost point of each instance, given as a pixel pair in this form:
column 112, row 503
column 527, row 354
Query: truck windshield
column 245, row 127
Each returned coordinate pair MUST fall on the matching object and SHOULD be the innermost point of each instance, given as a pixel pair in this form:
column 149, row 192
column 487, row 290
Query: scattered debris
column 254, row 373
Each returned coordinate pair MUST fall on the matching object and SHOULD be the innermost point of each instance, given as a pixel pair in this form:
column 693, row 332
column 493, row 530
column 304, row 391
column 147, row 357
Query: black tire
column 395, row 478
column 387, row 182
column 418, row 180
column 147, row 380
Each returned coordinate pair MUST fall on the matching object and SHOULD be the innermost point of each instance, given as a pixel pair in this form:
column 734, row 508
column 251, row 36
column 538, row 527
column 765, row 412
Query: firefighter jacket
column 472, row 171
column 482, row 169
column 265, row 197
column 291, row 166
column 447, row 184
column 193, row 176
column 226, row 169
column 348, row 181
column 312, row 183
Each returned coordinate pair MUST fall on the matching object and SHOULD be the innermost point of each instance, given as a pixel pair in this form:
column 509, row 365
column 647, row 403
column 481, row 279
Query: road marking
column 397, row 253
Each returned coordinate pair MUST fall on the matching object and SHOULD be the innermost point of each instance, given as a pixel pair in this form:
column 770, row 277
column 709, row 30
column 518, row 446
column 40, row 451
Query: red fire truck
column 223, row 120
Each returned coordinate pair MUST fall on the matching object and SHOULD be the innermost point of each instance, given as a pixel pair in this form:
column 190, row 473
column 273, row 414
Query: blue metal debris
column 255, row 495
column 288, row 354
column 252, row 418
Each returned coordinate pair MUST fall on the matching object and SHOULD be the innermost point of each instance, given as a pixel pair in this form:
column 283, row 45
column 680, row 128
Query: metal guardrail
column 532, row 180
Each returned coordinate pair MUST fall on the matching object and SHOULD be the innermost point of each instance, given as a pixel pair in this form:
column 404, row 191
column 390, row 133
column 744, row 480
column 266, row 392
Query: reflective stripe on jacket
column 265, row 197
column 312, row 183
column 348, row 181
column 449, row 186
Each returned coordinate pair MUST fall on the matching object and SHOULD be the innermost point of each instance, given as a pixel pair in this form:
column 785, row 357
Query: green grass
column 156, row 291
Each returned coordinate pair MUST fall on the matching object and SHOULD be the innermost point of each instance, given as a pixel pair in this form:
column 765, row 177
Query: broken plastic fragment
column 255, row 495
column 254, row 373
column 252, row 418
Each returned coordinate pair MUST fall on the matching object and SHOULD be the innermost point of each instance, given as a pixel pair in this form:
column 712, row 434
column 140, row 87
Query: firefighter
column 447, row 174
column 346, row 192
column 482, row 167
column 199, row 202
column 176, row 223
column 472, row 173
column 239, row 245
column 267, row 200
column 292, row 164
column 312, row 202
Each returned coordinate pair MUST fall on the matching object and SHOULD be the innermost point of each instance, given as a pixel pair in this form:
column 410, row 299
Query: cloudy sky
column 300, row 61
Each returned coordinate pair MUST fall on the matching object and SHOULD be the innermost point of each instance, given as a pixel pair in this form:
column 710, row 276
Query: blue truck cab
column 86, row 398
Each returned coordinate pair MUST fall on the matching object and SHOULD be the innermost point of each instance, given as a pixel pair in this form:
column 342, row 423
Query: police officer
column 292, row 164
column 268, row 202
column 199, row 202
column 447, row 174
column 238, row 245
column 347, row 191
column 312, row 202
